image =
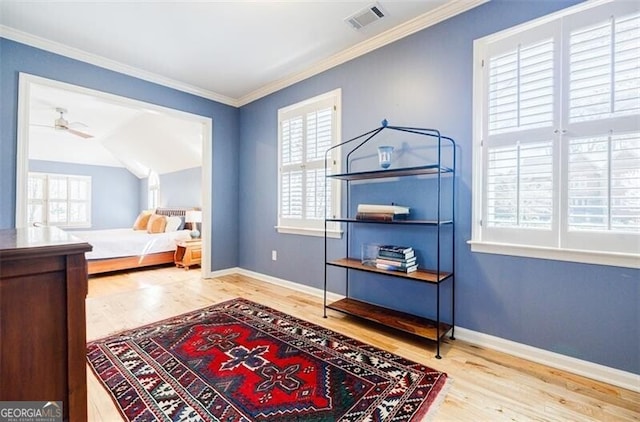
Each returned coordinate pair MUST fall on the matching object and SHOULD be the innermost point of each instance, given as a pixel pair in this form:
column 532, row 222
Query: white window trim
column 334, row 230
column 557, row 254
column 306, row 231
column 476, row 243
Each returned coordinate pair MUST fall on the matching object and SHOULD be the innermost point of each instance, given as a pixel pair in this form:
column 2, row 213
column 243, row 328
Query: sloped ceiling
column 172, row 144
column 135, row 138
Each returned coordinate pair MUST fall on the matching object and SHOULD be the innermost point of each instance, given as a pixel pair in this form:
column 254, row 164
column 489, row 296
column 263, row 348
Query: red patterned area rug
column 241, row 361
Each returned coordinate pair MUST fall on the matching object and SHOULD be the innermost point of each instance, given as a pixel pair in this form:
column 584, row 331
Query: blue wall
column 114, row 191
column 177, row 189
column 16, row 57
column 585, row 311
column 181, row 188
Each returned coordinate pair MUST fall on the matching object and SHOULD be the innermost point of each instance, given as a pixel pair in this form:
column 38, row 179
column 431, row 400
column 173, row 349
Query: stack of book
column 381, row 212
column 396, row 258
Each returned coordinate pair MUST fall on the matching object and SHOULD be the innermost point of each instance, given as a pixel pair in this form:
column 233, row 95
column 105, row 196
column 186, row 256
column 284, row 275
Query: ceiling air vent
column 366, row 16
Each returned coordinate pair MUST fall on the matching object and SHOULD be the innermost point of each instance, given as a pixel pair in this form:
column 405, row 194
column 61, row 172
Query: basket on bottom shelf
column 394, row 258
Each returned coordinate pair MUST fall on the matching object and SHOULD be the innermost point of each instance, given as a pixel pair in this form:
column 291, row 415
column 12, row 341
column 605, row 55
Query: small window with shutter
column 306, row 131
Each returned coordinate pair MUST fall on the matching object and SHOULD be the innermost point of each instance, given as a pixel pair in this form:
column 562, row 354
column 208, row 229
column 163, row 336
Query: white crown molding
column 444, row 12
column 580, row 367
column 81, row 55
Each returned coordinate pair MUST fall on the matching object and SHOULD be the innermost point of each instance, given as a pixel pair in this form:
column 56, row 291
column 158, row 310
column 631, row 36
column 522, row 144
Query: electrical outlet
column 274, row 255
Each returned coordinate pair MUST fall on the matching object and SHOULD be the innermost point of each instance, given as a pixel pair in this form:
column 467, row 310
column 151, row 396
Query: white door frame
column 22, row 158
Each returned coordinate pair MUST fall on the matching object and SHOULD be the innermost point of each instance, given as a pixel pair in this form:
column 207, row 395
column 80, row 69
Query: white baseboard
column 584, row 368
column 226, row 271
column 313, row 291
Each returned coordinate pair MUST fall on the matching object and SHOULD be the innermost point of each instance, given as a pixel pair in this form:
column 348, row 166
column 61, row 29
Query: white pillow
column 172, row 224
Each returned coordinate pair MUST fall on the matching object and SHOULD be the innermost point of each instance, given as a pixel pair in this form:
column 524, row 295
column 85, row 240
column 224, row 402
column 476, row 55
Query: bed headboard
column 170, row 212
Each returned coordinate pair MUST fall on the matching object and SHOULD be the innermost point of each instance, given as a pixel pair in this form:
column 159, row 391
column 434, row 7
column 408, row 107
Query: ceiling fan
column 62, row 124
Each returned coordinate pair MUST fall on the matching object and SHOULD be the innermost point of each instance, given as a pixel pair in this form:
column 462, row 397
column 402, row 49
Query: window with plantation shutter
column 306, row 131
column 59, row 200
column 557, row 138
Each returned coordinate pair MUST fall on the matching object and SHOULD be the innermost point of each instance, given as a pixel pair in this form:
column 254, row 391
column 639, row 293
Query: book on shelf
column 397, row 252
column 380, row 216
column 409, row 269
column 386, row 209
column 395, row 248
column 397, row 259
column 403, row 263
column 396, row 255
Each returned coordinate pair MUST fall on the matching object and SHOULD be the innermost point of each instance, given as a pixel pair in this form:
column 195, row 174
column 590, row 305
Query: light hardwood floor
column 485, row 385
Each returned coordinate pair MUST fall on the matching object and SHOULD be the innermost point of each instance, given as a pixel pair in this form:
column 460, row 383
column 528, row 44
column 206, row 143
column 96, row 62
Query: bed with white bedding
column 120, row 249
column 118, row 243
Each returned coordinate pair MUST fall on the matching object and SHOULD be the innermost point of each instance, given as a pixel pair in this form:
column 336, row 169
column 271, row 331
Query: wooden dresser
column 43, row 286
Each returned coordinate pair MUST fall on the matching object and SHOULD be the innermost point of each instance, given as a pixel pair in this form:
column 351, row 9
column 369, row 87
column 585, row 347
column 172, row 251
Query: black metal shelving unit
column 423, row 327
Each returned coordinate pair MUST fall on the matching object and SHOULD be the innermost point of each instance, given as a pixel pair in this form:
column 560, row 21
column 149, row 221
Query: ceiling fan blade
column 78, row 124
column 80, row 134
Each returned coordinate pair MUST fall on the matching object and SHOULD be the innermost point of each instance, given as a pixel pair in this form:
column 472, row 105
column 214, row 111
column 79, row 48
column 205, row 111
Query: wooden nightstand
column 188, row 253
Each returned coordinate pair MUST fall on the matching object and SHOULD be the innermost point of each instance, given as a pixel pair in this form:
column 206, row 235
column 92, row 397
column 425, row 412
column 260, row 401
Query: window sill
column 71, row 227
column 557, row 254
column 334, row 234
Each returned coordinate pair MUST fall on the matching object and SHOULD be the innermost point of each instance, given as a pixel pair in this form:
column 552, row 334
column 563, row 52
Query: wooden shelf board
column 420, row 275
column 379, row 174
column 413, row 324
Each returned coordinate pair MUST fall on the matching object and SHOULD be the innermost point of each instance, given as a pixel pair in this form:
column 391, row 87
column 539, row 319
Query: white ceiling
column 230, row 51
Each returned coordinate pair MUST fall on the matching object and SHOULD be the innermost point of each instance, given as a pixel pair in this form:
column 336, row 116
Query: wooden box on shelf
column 188, row 253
